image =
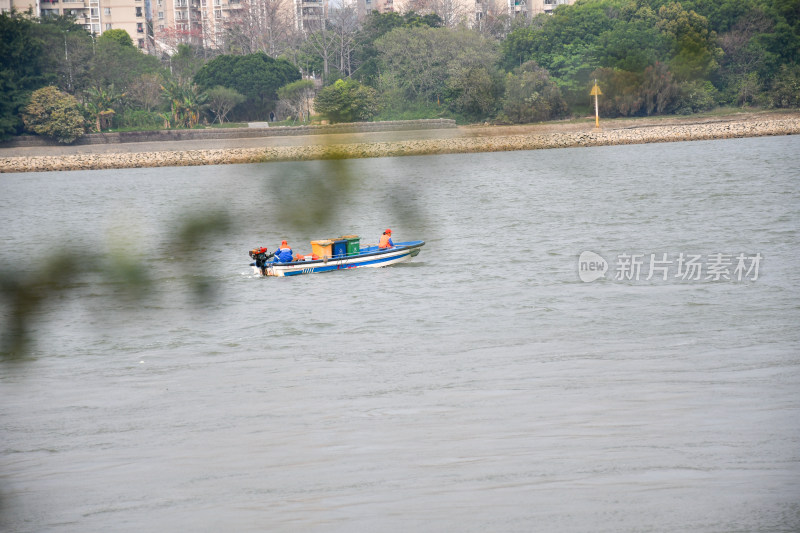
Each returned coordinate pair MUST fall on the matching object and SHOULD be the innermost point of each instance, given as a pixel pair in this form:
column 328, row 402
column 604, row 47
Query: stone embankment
column 479, row 140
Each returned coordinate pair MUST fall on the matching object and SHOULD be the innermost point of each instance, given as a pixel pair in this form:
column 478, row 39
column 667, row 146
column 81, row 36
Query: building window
column 139, row 27
column 106, row 11
column 94, row 12
column 95, row 28
column 160, row 15
column 138, row 11
column 108, row 26
column 141, row 43
column 218, row 13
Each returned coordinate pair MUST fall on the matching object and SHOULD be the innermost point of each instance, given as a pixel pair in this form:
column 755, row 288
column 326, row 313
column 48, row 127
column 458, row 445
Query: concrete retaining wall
column 234, row 133
column 650, row 134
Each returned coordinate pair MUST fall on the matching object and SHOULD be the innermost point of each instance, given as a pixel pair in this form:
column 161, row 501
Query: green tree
column 68, row 50
column 374, row 27
column 659, row 92
column 100, row 102
column 430, row 63
column 531, row 96
column 571, row 31
column 622, row 92
column 118, row 36
column 631, row 45
column 119, row 64
column 694, row 52
column 473, row 92
column 145, row 91
column 23, row 69
column 54, row 114
column 184, row 63
column 786, row 87
column 347, row 101
column 221, row 100
column 566, row 44
column 297, row 98
column 186, row 102
column 256, row 76
column 722, row 15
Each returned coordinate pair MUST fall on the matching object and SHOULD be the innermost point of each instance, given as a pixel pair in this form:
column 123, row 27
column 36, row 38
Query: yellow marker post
column 595, row 92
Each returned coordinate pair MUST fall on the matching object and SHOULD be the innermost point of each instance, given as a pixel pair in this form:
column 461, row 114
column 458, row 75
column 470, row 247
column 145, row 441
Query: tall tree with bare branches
column 323, row 40
column 261, row 26
column 344, row 22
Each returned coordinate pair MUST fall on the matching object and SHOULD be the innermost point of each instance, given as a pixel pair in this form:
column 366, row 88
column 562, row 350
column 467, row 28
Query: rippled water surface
column 481, row 387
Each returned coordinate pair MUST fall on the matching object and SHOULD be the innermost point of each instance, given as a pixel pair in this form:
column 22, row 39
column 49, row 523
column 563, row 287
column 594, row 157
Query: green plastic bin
column 353, row 244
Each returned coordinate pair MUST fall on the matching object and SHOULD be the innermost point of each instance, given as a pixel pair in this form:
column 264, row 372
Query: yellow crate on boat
column 322, row 248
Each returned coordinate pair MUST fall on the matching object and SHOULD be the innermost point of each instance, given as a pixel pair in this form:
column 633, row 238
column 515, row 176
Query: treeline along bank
column 63, row 75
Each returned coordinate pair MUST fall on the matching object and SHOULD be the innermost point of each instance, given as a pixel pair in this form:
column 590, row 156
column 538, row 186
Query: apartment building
column 96, row 16
column 309, row 13
column 160, row 25
column 538, row 7
column 199, row 22
column 454, row 12
column 21, row 6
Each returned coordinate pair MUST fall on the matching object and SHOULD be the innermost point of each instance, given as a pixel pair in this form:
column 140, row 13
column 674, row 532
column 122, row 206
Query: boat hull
column 368, row 257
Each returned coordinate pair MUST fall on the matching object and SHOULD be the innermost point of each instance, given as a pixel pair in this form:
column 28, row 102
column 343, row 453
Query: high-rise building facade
column 95, row 16
column 469, row 12
column 160, row 25
column 19, row 5
column 198, row 22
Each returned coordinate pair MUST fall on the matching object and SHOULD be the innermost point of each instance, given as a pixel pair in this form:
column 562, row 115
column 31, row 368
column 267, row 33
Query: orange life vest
column 385, row 241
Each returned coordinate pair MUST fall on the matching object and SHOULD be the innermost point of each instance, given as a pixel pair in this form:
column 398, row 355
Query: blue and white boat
column 370, row 256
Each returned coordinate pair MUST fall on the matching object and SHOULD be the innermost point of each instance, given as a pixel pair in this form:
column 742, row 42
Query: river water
column 481, row 387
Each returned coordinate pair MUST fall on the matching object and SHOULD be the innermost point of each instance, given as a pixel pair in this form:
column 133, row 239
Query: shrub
column 697, row 96
column 54, row 114
column 531, row 96
column 786, row 87
column 139, row 120
column 221, row 100
column 347, row 101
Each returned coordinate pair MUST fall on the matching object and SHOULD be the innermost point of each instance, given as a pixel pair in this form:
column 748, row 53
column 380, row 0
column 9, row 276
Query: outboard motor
column 260, row 256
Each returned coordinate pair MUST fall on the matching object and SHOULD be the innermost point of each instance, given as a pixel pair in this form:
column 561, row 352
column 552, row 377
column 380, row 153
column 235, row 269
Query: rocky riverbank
column 480, row 139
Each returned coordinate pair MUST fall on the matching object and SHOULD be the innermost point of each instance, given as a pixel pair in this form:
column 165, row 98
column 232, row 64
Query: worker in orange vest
column 386, row 239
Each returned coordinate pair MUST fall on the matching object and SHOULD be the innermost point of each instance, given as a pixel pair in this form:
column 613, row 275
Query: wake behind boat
column 336, row 254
